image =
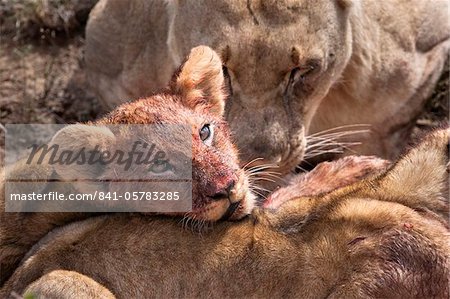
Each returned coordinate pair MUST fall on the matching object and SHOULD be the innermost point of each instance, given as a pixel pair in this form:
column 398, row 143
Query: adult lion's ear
column 73, row 139
column 200, row 81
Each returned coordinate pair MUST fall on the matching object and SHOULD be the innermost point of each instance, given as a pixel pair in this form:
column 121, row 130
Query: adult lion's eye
column 206, row 134
column 301, row 79
column 227, row 77
column 300, row 73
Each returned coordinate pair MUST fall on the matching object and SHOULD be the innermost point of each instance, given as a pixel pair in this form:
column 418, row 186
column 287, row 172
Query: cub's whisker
column 267, row 176
column 298, row 167
column 263, row 179
column 250, row 162
column 255, row 191
column 256, row 187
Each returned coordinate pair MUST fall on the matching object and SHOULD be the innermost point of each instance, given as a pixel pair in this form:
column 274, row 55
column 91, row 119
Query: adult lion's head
column 276, row 77
column 279, row 80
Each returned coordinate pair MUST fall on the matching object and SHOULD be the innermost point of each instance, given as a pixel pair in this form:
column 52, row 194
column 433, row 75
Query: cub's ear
column 200, row 81
column 74, row 138
column 420, row 178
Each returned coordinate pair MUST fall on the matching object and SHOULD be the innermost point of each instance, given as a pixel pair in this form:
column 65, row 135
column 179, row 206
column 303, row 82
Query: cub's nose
column 223, row 192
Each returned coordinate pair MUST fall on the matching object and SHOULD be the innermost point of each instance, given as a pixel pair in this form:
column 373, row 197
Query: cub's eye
column 206, row 134
column 160, row 167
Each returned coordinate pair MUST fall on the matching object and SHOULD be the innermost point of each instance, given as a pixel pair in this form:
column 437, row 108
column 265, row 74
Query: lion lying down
column 385, row 236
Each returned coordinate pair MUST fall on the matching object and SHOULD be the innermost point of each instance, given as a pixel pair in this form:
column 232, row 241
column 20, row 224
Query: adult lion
column 295, row 67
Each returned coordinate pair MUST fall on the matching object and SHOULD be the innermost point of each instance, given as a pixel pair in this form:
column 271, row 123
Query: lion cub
column 195, row 96
column 383, row 237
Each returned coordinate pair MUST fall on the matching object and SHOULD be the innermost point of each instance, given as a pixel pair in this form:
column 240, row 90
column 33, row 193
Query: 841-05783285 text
column 136, row 196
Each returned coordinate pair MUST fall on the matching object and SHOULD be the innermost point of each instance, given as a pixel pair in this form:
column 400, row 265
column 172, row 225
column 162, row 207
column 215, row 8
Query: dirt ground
column 41, row 63
column 41, row 67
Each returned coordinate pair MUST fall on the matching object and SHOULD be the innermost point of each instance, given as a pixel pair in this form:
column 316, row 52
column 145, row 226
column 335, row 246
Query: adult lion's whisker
column 345, row 145
column 270, row 173
column 335, row 136
column 328, row 141
column 332, row 138
column 252, row 170
column 333, row 145
column 324, row 151
column 318, row 153
column 341, row 127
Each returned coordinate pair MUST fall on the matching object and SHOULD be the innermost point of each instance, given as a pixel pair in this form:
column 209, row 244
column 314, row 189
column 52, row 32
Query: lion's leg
column 66, row 284
column 326, row 177
column 20, row 231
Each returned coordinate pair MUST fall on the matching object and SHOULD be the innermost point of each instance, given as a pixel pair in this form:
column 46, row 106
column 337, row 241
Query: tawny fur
column 373, row 239
column 375, row 63
column 195, row 97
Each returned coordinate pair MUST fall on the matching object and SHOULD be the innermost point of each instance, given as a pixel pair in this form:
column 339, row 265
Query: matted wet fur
column 195, row 97
column 296, row 67
column 383, row 237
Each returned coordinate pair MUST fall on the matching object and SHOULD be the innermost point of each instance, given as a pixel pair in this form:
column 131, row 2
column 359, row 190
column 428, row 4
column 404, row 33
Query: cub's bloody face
column 195, row 99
